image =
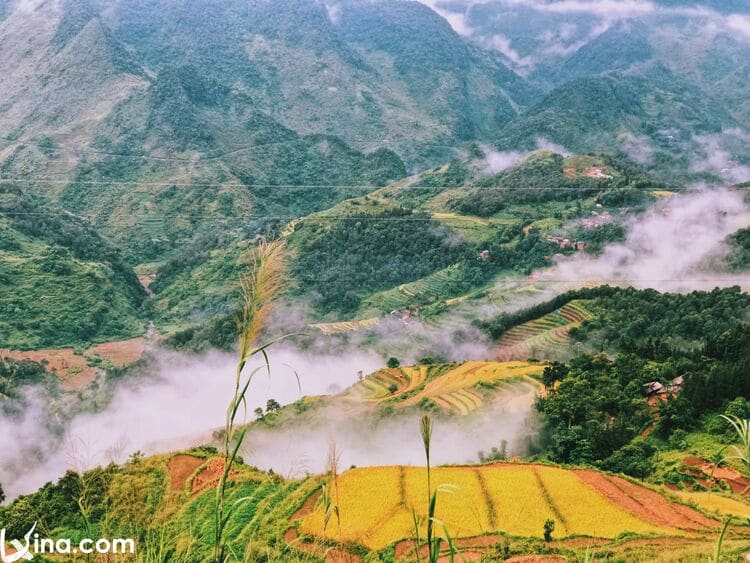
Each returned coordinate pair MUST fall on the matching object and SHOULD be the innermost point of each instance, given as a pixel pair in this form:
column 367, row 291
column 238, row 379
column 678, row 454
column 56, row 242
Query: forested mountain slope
column 60, row 282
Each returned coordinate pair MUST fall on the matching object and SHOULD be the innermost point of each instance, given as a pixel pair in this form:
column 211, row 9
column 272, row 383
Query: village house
column 658, row 392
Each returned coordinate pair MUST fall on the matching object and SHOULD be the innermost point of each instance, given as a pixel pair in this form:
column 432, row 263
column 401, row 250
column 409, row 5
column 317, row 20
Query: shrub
column 549, row 527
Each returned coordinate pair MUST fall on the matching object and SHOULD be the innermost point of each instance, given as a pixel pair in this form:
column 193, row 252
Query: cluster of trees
column 343, row 262
column 653, row 324
column 542, row 179
column 740, row 256
column 597, row 239
column 56, row 505
column 15, row 374
column 596, row 408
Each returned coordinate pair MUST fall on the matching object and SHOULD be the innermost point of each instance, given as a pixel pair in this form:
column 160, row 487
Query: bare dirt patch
column 734, row 479
column 645, row 503
column 597, row 172
column 307, row 507
column 291, row 535
column 181, row 467
column 73, row 370
column 402, row 549
column 209, row 476
column 121, row 353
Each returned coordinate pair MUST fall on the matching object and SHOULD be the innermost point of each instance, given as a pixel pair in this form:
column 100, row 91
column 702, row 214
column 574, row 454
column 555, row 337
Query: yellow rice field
column 346, row 326
column 451, row 388
column 468, row 375
column 715, row 503
column 376, row 504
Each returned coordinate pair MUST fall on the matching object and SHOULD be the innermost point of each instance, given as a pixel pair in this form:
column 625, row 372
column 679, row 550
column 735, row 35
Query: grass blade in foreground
column 260, row 287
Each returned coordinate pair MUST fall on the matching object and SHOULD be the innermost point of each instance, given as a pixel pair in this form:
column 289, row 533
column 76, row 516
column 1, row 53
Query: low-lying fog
column 184, row 398
column 679, row 246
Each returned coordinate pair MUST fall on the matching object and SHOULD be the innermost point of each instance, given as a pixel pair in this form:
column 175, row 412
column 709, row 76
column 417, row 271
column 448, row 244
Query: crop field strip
column 457, row 388
column 549, row 331
column 511, row 498
column 428, row 289
column 715, row 502
column 452, row 389
column 346, row 326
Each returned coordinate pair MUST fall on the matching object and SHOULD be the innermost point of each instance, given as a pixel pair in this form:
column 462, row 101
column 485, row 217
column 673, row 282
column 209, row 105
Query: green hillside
column 421, row 243
column 591, row 113
column 62, row 284
column 229, row 132
column 365, row 71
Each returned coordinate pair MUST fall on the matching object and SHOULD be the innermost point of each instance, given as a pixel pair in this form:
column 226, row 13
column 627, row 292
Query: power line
column 371, row 187
column 230, row 217
column 319, row 137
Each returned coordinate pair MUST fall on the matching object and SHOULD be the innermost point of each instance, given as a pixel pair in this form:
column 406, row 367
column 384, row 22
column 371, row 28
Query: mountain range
column 179, row 131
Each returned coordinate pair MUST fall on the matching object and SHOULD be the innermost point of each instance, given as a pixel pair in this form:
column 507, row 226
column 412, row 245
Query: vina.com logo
column 20, row 551
column 14, row 550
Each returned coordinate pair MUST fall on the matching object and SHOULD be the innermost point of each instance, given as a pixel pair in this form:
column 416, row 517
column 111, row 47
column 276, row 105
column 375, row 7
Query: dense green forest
column 739, row 258
column 358, row 255
column 654, row 324
column 596, row 409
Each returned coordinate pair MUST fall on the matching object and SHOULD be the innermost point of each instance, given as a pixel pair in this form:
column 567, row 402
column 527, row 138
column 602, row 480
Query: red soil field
column 120, row 353
column 181, row 467
column 733, row 478
column 74, row 371
column 646, row 504
column 210, row 475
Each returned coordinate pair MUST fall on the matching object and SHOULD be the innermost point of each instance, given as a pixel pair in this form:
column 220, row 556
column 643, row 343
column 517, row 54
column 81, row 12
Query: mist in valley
column 369, row 439
column 679, row 245
column 177, row 403
column 181, row 401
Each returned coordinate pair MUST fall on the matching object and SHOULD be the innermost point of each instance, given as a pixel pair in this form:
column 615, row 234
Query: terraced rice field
column 472, row 227
column 715, row 503
column 512, row 498
column 458, row 389
column 346, row 326
column 547, row 332
column 390, row 382
column 426, row 290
